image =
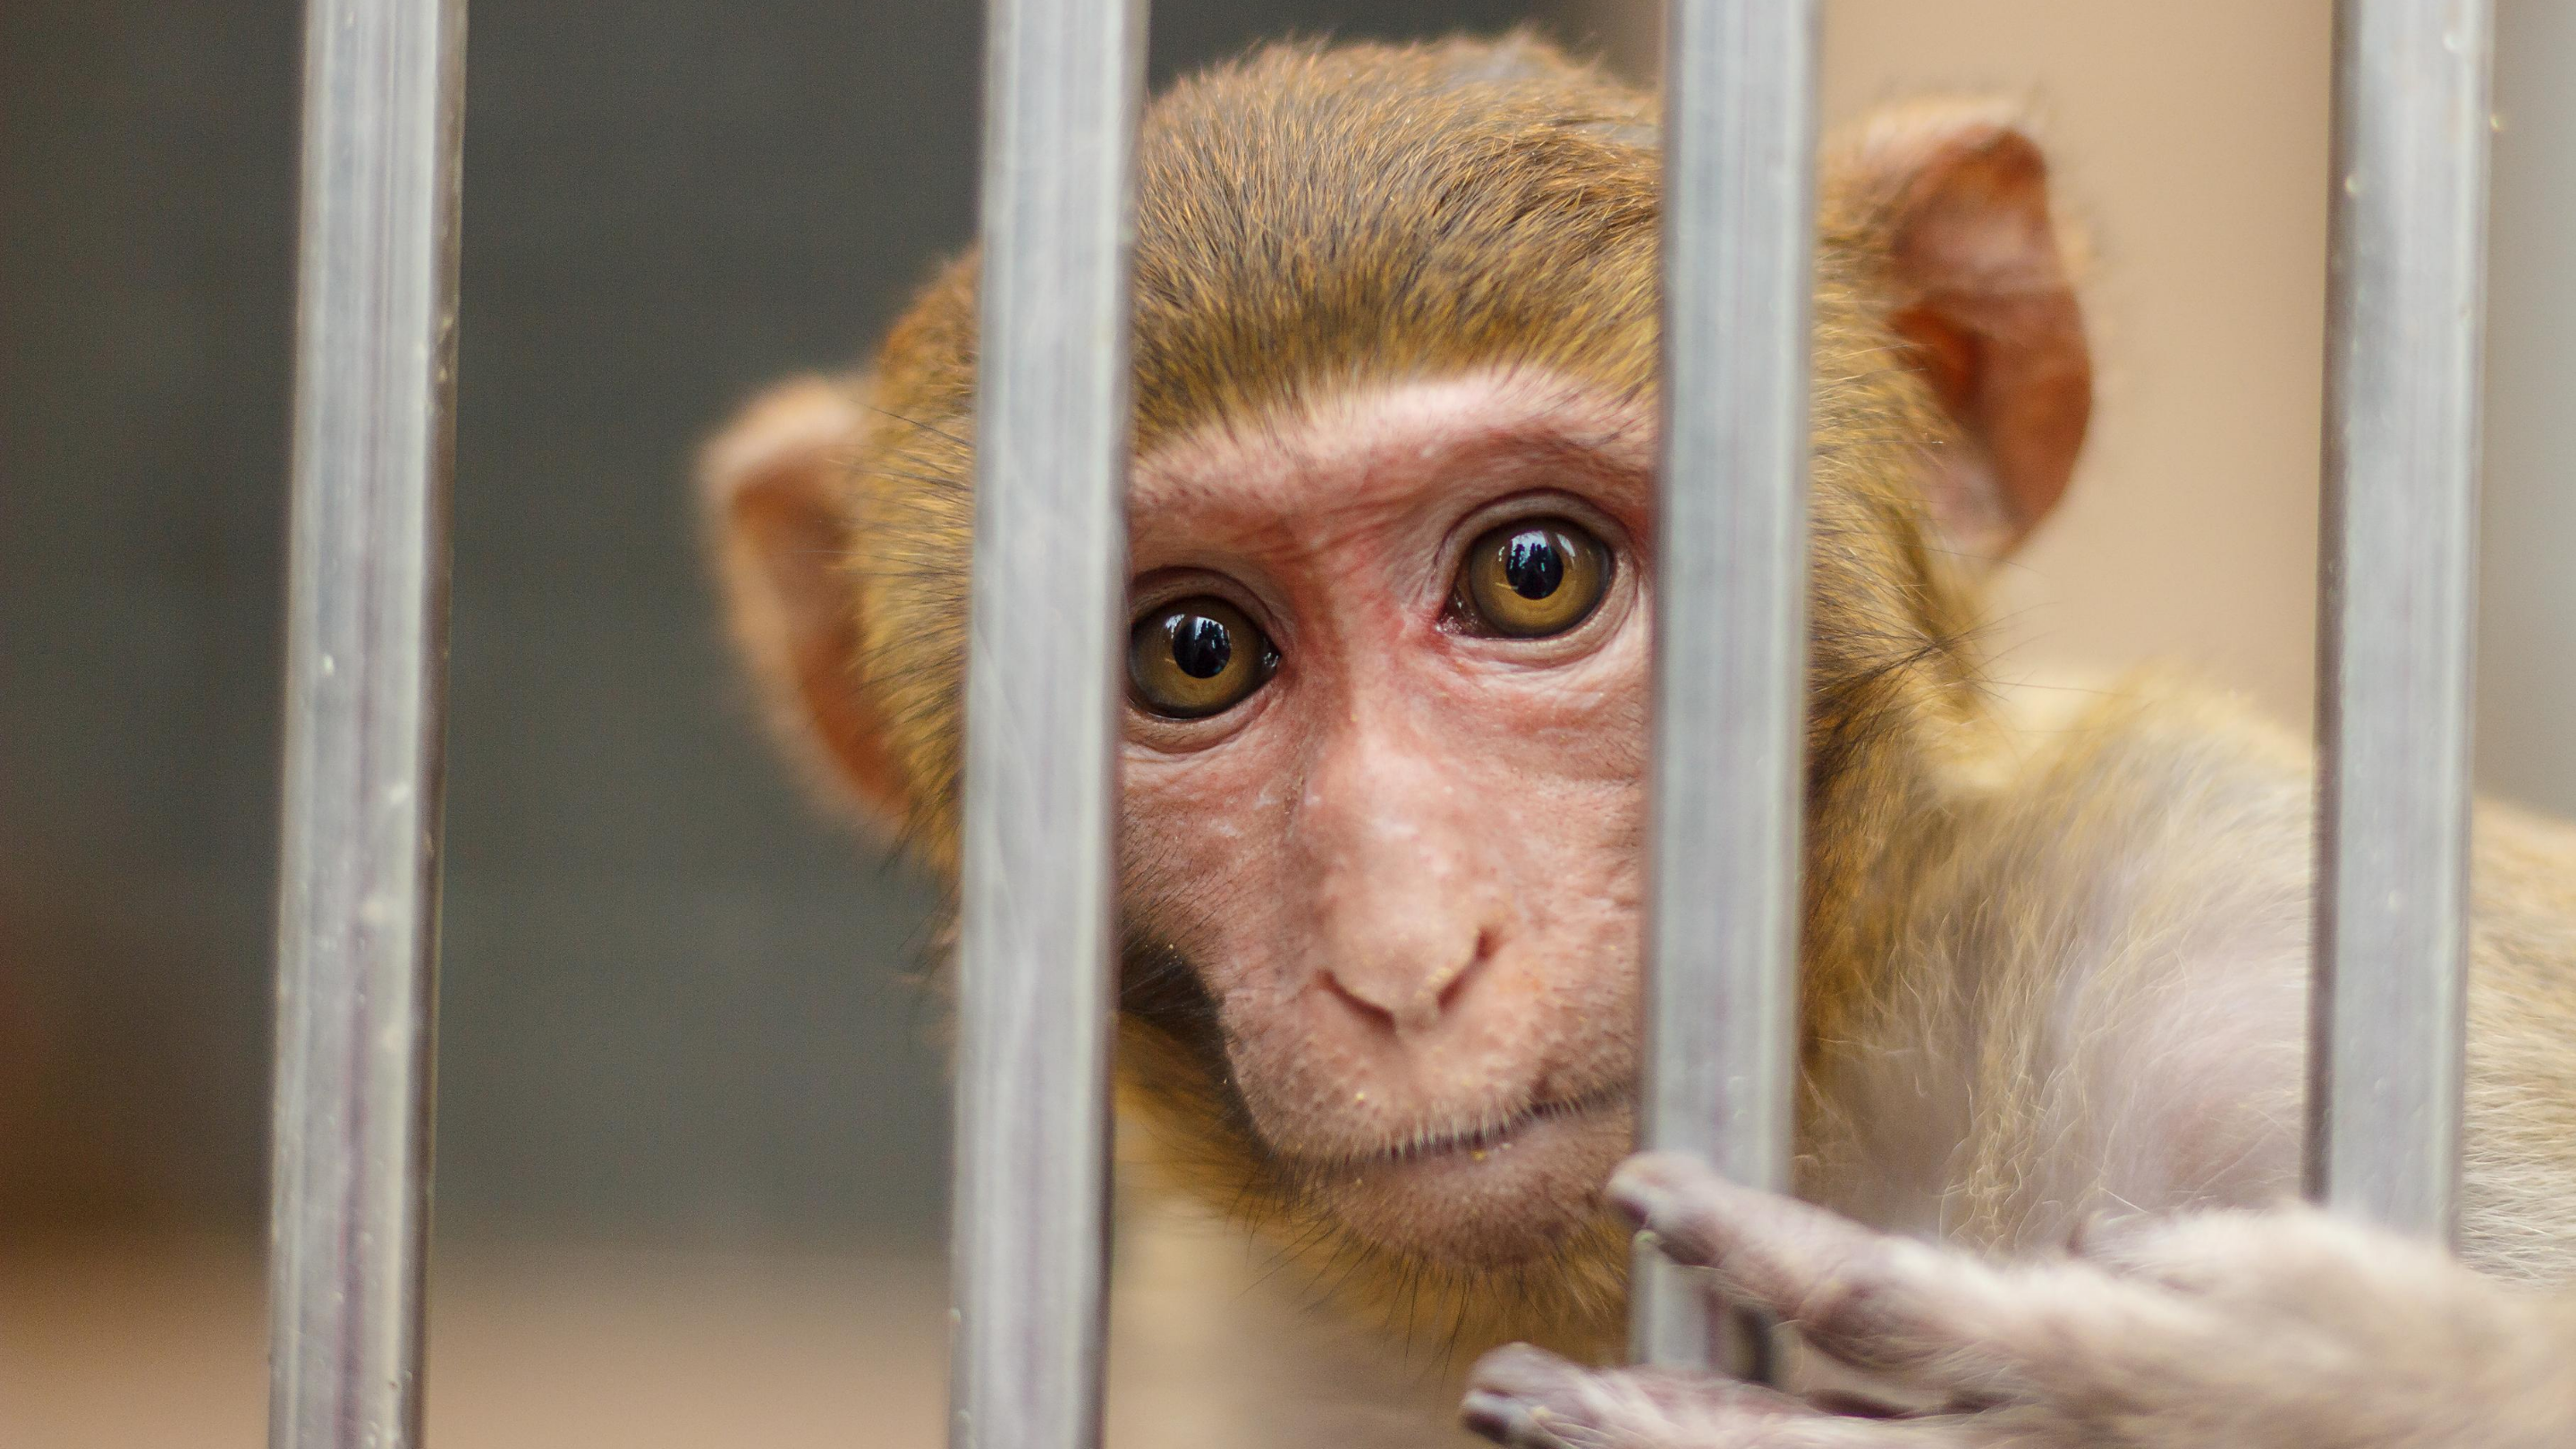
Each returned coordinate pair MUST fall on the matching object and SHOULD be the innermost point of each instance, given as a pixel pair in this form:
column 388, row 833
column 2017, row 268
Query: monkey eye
column 1531, row 578
column 1192, row 658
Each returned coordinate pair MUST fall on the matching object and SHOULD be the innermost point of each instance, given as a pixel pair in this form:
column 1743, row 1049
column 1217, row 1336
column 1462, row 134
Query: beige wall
column 2527, row 672
column 2189, row 140
column 2190, row 148
column 2189, row 145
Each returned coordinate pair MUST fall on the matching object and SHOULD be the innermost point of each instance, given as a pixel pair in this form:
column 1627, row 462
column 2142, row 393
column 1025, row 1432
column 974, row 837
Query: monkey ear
column 774, row 488
column 1951, row 199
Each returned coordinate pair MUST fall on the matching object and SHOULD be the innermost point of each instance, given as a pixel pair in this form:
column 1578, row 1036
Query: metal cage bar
column 366, row 666
column 2397, row 603
column 1038, row 956
column 1730, row 612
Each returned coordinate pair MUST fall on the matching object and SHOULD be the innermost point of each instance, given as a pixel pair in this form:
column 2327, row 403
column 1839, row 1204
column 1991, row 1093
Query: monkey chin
column 1483, row 1199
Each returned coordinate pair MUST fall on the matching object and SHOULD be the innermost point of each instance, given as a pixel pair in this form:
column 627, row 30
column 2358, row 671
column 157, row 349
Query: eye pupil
column 1532, row 566
column 1201, row 646
column 1531, row 578
column 1197, row 657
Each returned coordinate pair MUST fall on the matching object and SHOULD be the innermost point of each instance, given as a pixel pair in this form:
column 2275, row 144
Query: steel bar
column 2397, row 604
column 365, row 716
column 1730, row 610
column 1038, row 960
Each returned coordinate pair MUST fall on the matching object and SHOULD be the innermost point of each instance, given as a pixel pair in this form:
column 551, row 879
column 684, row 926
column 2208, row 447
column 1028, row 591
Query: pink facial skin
column 1407, row 868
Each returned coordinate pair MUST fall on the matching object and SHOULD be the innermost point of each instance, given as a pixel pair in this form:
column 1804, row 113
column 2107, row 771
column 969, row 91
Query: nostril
column 1405, row 1001
column 1378, row 1015
column 1456, row 985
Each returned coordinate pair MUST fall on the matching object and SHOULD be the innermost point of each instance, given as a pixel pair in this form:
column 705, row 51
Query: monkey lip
column 1482, row 1192
column 1427, row 1144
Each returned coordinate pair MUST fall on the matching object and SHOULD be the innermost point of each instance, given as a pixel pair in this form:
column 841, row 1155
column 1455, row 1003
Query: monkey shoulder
column 2518, row 1190
column 2125, row 825
column 2111, row 955
column 2145, row 885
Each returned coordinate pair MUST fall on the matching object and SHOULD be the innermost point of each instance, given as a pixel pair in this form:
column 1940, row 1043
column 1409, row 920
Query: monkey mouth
column 1478, row 1137
column 1481, row 1192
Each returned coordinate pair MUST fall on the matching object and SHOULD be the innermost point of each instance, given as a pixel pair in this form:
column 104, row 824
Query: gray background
column 676, row 1001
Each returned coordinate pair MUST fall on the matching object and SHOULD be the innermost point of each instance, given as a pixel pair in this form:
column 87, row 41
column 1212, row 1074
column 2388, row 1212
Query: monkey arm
column 2217, row 1330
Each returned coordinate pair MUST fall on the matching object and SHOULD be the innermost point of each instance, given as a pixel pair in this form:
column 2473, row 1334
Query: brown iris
column 1532, row 578
column 1192, row 658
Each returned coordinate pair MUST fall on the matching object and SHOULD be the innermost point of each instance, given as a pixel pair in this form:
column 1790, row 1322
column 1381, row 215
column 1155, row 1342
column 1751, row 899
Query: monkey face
column 1394, row 349
column 1384, row 746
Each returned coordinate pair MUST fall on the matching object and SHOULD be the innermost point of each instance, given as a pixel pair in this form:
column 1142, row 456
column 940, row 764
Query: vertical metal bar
column 1038, row 957
column 1730, row 611
column 366, row 664
column 2397, row 605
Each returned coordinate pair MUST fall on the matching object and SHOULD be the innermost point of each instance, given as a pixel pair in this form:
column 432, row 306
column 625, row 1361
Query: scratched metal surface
column 366, row 675
column 2397, row 605
column 1730, row 609
column 1037, row 942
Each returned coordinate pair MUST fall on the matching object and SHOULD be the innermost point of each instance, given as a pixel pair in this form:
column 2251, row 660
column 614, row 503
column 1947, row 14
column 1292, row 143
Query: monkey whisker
column 935, row 432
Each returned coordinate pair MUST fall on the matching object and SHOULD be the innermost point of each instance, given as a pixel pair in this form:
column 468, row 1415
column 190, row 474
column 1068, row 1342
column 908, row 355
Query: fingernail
column 1642, row 1203
column 1488, row 1414
column 1506, row 1420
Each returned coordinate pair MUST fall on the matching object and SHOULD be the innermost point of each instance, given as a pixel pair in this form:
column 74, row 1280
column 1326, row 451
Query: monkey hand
column 2286, row 1329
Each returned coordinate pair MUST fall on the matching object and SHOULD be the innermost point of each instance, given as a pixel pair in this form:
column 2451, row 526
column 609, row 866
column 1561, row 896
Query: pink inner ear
column 1960, row 481
column 1951, row 360
column 786, row 518
column 770, row 481
column 1983, row 296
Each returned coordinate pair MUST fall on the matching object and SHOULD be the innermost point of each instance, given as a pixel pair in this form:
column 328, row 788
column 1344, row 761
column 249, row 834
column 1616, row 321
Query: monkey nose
column 1397, row 996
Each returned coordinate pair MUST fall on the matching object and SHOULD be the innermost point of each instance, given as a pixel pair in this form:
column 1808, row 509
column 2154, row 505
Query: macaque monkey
column 1395, row 388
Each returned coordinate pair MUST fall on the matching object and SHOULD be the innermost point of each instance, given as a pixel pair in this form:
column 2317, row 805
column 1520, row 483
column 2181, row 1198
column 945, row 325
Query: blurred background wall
column 674, row 999
column 2187, row 142
column 680, row 1015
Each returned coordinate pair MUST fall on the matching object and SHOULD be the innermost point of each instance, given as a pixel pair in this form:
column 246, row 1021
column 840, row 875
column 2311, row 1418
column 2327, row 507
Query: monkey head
column 1391, row 540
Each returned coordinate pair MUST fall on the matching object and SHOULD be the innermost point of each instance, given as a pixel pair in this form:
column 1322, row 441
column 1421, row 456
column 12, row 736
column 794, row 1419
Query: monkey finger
column 1929, row 1315
column 1870, row 1299
column 1523, row 1398
column 2301, row 1285
column 1761, row 1247
column 2245, row 1253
